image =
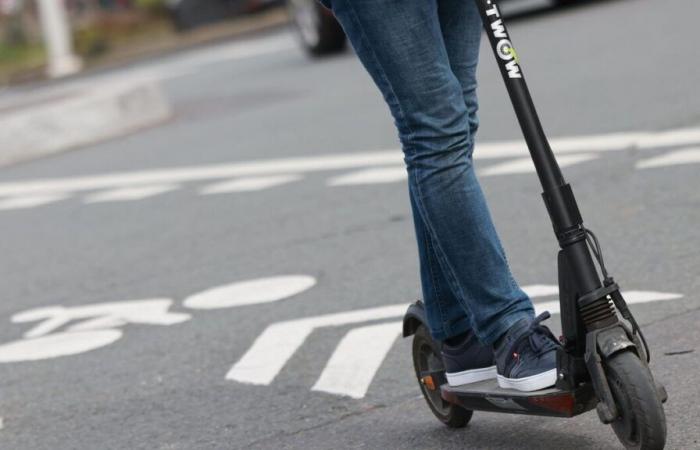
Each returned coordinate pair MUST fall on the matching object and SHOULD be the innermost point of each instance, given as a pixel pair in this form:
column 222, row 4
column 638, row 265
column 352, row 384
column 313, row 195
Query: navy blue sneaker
column 526, row 356
column 467, row 361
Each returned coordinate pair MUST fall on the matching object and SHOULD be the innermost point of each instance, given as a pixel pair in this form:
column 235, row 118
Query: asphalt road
column 287, row 172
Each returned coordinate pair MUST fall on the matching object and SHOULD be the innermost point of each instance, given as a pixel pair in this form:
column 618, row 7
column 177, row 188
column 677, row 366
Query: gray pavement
column 286, row 171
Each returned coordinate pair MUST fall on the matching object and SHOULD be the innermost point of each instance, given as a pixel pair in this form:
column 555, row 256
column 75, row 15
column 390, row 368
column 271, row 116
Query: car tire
column 319, row 32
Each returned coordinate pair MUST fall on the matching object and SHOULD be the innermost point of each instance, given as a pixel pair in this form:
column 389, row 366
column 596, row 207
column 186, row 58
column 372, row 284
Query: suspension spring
column 599, row 313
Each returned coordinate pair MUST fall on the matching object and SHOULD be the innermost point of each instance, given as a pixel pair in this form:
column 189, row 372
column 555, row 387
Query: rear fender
column 414, row 318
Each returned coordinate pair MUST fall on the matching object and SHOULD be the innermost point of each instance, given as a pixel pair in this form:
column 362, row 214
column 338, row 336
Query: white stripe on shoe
column 471, row 376
column 528, row 384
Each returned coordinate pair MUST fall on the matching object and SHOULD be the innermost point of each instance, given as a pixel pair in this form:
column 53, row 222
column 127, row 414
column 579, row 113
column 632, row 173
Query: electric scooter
column 603, row 361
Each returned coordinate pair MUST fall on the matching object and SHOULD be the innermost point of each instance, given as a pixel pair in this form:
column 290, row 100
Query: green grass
column 19, row 58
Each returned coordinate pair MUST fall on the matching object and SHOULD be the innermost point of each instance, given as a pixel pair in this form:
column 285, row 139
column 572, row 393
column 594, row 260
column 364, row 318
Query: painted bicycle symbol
column 70, row 330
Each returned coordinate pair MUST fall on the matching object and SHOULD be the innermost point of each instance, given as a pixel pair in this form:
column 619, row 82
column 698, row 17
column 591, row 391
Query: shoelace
column 540, row 338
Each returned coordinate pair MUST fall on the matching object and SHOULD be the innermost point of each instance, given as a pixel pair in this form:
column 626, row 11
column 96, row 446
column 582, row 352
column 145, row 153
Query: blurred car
column 188, row 14
column 320, row 33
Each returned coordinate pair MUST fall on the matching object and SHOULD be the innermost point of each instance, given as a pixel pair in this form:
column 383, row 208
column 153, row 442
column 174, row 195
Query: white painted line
column 670, row 138
column 541, row 290
column 525, row 165
column 252, row 292
column 379, row 175
column 128, row 194
column 360, row 353
column 248, row 184
column 278, row 343
column 29, row 201
column 216, row 171
column 631, row 297
column 679, row 157
column 152, row 311
column 355, row 361
column 493, row 150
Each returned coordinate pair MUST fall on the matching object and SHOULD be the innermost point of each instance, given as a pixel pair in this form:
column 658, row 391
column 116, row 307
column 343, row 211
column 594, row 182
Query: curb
column 80, row 118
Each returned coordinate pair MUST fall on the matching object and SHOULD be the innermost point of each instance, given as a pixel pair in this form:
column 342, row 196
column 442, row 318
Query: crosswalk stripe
column 30, row 201
column 248, row 184
column 356, row 359
column 128, row 194
column 525, row 165
column 684, row 156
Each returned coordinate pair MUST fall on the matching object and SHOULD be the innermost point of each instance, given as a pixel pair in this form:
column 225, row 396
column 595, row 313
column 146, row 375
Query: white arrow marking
column 251, row 292
column 379, row 175
column 128, row 194
column 278, row 343
column 685, row 156
column 355, row 361
column 248, row 184
column 30, row 201
column 525, row 165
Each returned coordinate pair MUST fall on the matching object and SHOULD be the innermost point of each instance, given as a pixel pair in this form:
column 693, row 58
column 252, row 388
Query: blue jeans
column 422, row 54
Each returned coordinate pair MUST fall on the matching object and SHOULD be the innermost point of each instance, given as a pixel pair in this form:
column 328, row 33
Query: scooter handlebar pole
column 509, row 63
column 557, row 194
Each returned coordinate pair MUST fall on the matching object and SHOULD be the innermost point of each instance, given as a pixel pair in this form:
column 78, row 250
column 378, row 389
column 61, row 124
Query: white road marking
column 678, row 157
column 271, row 351
column 355, row 361
column 29, row 201
column 378, row 175
column 198, row 173
column 631, row 297
column 248, row 184
column 252, row 292
column 152, row 311
column 541, row 290
column 279, row 341
column 128, row 194
column 670, row 138
column 493, row 150
column 57, row 344
column 525, row 165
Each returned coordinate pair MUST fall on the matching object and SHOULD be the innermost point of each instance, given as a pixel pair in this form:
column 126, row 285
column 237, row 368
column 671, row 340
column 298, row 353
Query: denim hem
column 500, row 327
column 456, row 329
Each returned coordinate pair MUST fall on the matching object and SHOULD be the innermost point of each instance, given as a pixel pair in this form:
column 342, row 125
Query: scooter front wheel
column 430, row 372
column 641, row 424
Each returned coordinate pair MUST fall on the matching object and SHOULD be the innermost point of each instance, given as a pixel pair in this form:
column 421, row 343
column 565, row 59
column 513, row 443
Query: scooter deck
column 488, row 396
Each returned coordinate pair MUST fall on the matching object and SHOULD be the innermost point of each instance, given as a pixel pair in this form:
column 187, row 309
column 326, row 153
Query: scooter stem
column 575, row 258
column 509, row 63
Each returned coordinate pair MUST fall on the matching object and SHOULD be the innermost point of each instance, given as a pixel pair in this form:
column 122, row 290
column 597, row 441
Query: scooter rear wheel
column 426, row 361
column 641, row 424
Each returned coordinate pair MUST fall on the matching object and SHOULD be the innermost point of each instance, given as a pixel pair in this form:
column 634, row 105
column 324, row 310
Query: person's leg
column 401, row 45
column 461, row 27
column 446, row 316
column 460, row 23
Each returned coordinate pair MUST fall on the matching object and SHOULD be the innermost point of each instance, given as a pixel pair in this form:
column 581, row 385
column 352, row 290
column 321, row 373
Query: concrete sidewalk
column 62, row 117
column 112, row 99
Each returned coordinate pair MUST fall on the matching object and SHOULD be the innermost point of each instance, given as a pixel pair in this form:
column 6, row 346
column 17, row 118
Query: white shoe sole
column 471, row 376
column 528, row 384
